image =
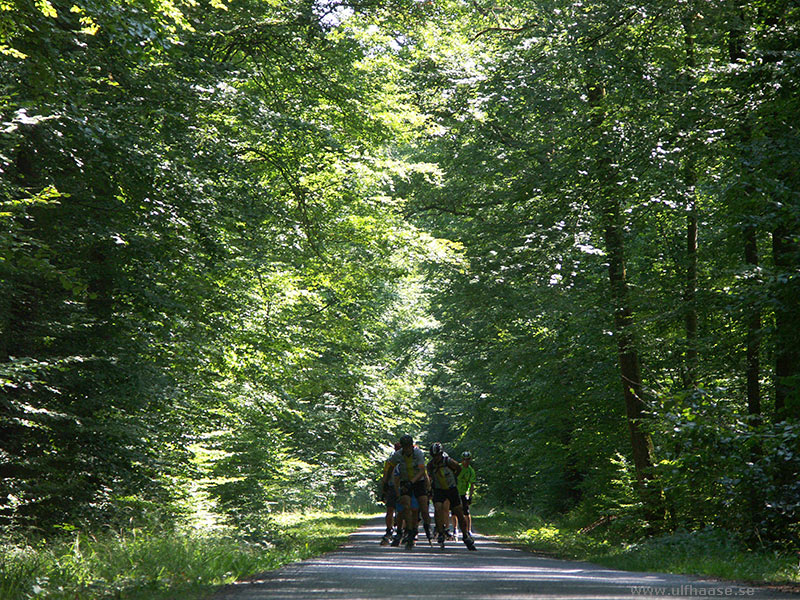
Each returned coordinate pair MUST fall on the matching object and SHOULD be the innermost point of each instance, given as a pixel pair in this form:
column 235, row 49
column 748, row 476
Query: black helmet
column 406, row 441
column 436, row 449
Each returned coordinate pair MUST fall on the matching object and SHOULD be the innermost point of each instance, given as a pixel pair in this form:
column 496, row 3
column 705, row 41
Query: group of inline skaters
column 407, row 484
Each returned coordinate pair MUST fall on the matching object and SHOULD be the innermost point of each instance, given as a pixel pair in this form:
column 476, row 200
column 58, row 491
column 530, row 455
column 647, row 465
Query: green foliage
column 197, row 250
column 527, row 166
column 245, row 244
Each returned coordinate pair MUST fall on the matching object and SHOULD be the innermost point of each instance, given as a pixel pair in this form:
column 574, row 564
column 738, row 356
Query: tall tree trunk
column 690, row 182
column 781, row 130
column 630, row 370
column 786, row 253
column 736, row 53
column 753, row 363
column 690, row 292
column 629, row 363
column 23, row 308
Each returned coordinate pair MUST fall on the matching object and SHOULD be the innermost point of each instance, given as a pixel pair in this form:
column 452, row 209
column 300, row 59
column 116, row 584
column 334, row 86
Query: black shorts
column 418, row 488
column 451, row 494
column 465, row 504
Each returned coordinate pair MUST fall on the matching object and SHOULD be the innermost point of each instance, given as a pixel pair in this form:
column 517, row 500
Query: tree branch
column 503, row 29
column 592, row 41
column 297, row 190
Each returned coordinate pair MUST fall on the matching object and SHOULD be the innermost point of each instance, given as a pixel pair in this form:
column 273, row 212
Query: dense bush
column 723, row 470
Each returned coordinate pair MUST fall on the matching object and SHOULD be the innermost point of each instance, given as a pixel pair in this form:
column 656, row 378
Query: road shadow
column 363, row 569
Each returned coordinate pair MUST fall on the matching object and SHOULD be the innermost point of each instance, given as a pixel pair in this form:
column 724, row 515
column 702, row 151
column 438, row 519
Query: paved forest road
column 362, row 569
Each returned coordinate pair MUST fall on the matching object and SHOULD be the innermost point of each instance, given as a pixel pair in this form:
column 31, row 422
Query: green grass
column 159, row 564
column 709, row 552
column 531, row 532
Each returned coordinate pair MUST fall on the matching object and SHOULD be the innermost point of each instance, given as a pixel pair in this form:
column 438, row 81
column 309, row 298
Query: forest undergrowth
column 159, row 561
column 708, row 552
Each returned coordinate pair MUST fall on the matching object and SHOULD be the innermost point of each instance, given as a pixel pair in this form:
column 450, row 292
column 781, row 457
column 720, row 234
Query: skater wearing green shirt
column 466, row 486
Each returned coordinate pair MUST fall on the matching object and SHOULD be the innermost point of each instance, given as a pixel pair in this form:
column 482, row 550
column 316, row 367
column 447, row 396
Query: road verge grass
column 159, row 563
column 709, row 552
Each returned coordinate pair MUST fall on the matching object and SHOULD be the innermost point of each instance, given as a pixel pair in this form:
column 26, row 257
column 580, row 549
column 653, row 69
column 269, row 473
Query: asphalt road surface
column 363, row 569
